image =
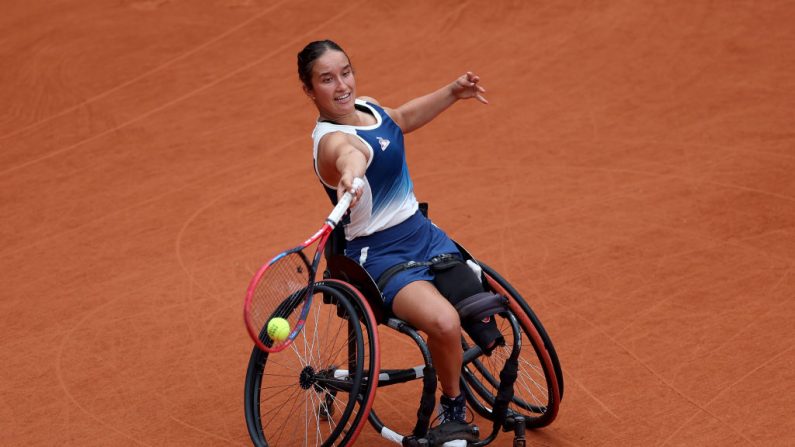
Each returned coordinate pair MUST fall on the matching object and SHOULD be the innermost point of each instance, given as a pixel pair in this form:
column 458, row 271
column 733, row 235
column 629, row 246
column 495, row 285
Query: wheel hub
column 307, row 377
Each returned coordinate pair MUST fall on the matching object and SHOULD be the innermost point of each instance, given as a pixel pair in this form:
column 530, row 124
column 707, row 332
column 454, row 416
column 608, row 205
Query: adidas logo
column 383, row 142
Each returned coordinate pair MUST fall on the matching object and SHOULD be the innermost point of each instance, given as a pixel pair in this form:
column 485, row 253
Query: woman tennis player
column 355, row 137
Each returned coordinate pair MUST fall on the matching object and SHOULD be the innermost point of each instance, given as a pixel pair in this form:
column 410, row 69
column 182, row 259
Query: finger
column 357, row 194
column 356, row 185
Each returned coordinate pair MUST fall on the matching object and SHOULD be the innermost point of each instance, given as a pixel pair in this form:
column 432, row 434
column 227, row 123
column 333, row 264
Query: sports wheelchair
column 320, row 391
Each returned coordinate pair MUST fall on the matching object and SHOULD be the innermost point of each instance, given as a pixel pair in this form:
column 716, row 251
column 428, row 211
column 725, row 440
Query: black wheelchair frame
column 338, row 383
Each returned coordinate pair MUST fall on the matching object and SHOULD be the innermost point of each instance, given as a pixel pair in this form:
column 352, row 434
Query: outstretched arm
column 419, row 111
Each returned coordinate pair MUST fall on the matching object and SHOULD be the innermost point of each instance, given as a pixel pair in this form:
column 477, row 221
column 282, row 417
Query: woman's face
column 333, row 85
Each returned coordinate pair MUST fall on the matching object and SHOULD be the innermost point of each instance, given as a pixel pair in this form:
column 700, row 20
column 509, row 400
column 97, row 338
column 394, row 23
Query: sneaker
column 452, row 409
column 452, row 425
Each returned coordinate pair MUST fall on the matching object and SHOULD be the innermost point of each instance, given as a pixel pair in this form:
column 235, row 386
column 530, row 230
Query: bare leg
column 422, row 306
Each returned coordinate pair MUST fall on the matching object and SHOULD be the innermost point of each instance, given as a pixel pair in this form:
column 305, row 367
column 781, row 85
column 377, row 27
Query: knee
column 446, row 325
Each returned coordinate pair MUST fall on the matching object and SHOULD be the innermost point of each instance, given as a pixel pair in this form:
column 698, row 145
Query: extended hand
column 467, row 87
column 349, row 183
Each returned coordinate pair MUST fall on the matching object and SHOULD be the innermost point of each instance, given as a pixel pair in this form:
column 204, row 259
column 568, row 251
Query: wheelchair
column 320, row 391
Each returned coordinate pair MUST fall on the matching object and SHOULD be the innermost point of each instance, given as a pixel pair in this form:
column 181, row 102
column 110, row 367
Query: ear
column 308, row 92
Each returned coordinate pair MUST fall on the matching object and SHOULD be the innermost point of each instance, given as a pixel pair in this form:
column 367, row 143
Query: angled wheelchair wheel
column 319, row 390
column 536, row 391
column 498, row 281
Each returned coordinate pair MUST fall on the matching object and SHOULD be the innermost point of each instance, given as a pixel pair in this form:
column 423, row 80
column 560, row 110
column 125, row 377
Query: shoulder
column 323, row 128
column 333, row 143
column 327, row 137
column 369, row 99
column 332, row 140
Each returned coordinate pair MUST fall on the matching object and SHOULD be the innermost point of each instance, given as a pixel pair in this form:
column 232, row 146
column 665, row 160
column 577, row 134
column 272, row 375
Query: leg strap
column 480, row 305
column 395, row 269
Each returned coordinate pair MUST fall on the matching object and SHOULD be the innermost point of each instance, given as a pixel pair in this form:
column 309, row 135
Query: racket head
column 286, row 283
column 282, row 288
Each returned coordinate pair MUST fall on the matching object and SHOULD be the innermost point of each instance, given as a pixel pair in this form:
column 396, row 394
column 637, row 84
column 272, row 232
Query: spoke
column 296, row 401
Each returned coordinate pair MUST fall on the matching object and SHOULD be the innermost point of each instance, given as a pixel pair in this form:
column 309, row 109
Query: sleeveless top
column 388, row 196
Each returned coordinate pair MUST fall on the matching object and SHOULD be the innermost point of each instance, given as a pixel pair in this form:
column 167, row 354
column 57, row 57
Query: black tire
column 320, row 389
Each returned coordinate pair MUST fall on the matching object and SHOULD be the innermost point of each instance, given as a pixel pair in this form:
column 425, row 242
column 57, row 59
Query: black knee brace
column 459, row 284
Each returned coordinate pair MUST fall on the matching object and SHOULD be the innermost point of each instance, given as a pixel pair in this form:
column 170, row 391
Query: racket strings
column 280, row 292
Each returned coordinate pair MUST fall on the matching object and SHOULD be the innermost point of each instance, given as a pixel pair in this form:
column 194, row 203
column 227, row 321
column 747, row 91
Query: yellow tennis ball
column 278, row 329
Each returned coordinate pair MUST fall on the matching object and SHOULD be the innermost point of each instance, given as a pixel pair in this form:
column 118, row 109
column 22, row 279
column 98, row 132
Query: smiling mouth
column 343, row 98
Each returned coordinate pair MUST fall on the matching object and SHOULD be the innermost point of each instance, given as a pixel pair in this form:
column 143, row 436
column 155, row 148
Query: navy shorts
column 415, row 239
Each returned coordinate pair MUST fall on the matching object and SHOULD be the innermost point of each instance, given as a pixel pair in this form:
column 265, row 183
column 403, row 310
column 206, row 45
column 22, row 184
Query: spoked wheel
column 318, row 391
column 496, row 281
column 536, row 390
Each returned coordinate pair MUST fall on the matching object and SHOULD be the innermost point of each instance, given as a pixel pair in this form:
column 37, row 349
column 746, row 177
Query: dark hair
column 310, row 53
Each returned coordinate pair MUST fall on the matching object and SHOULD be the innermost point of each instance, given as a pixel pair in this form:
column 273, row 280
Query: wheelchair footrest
column 413, row 441
column 452, row 431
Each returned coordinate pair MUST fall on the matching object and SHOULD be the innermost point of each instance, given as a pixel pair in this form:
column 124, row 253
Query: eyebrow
column 329, row 72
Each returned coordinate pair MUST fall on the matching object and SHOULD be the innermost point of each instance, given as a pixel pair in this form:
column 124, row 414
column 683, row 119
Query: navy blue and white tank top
column 388, row 195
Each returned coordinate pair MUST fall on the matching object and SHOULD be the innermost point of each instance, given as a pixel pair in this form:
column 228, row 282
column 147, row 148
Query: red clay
column 633, row 176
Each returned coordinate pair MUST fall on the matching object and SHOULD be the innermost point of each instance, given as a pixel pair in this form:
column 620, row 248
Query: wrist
column 450, row 95
column 451, row 90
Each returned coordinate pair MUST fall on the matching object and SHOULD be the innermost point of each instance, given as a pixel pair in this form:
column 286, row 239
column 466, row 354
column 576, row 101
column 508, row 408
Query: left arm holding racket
column 284, row 287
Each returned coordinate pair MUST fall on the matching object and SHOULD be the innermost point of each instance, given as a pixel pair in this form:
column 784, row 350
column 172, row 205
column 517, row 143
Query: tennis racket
column 286, row 284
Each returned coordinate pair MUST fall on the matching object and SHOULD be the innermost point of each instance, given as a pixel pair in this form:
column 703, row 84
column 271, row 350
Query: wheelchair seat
column 343, row 268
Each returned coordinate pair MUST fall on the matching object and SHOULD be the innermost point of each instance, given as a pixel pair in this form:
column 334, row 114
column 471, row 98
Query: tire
column 319, row 390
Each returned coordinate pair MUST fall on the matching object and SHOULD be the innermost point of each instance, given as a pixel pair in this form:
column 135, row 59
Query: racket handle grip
column 342, row 206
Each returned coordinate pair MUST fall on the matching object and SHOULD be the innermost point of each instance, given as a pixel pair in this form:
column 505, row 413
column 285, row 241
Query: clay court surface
column 633, row 176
